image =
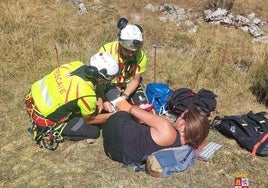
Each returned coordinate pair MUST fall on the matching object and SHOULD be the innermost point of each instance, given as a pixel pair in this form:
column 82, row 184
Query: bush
column 260, row 84
column 215, row 4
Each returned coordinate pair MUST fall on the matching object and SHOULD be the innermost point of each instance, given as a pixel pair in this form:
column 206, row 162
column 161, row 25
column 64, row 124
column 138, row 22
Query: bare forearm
column 132, row 86
column 98, row 119
column 147, row 117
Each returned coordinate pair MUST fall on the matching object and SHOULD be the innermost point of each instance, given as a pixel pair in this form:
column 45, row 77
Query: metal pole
column 57, row 54
column 154, row 46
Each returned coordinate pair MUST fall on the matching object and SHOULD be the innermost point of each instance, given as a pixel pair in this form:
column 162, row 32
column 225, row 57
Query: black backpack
column 183, row 98
column 249, row 130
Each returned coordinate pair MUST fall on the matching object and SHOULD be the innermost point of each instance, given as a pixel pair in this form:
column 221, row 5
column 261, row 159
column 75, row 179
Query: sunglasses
column 127, row 51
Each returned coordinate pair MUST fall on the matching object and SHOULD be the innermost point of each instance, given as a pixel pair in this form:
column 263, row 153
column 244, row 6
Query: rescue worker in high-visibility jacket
column 132, row 60
column 69, row 94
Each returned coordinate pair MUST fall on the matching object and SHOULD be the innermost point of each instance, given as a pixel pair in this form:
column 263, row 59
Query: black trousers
column 76, row 129
column 136, row 98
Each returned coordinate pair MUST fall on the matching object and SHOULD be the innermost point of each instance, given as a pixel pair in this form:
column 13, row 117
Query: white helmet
column 106, row 64
column 130, row 37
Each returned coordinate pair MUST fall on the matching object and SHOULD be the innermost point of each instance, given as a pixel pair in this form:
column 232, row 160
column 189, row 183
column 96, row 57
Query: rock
column 256, row 21
column 263, row 39
column 242, row 21
column 251, row 16
column 151, row 8
column 216, row 15
column 82, row 8
column 255, row 31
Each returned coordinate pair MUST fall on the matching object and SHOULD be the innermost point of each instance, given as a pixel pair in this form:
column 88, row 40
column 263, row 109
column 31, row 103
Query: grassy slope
column 37, row 36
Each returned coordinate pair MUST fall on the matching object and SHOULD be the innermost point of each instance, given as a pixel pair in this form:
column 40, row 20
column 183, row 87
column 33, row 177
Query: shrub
column 260, row 84
column 215, row 4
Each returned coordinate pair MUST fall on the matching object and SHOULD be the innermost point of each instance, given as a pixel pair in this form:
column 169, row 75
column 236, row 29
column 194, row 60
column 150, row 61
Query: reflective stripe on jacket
column 59, row 88
column 127, row 70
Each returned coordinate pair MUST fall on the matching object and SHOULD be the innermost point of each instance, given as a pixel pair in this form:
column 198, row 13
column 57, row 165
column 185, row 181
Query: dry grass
column 37, row 36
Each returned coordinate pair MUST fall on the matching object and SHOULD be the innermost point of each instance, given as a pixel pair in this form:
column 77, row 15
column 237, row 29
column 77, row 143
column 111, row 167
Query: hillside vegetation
column 37, row 36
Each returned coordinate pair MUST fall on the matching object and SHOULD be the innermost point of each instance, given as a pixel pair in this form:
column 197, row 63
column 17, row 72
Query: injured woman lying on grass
column 133, row 133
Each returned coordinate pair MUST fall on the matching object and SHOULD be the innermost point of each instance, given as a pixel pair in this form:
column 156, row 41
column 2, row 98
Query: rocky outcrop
column 173, row 13
column 250, row 23
column 178, row 15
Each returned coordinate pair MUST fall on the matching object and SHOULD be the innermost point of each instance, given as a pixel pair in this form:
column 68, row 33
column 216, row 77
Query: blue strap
column 139, row 165
column 187, row 155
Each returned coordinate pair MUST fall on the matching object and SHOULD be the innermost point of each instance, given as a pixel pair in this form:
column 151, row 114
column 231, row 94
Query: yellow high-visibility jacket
column 61, row 94
column 129, row 67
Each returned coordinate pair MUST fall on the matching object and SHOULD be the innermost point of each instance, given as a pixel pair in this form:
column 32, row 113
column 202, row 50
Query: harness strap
column 34, row 113
column 256, row 146
column 38, row 118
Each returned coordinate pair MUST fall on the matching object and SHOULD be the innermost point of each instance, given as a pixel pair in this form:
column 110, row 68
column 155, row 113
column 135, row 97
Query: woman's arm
column 162, row 130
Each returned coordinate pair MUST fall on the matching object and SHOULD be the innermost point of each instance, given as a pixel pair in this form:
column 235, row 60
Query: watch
column 125, row 95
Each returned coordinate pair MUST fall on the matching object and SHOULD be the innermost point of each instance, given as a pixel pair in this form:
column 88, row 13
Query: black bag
column 183, row 98
column 249, row 130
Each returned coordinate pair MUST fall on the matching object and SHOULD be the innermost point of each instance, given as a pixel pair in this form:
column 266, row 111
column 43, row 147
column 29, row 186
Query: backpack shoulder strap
column 80, row 72
column 104, row 48
column 258, row 118
column 257, row 145
column 191, row 149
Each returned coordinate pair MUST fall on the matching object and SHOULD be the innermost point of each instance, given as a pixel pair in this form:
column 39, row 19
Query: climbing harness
column 47, row 137
column 46, row 133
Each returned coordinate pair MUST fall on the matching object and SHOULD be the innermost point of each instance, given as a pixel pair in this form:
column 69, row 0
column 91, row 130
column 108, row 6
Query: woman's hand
column 108, row 106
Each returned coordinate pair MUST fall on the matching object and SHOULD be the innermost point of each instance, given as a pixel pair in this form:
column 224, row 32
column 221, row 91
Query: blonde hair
column 197, row 126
